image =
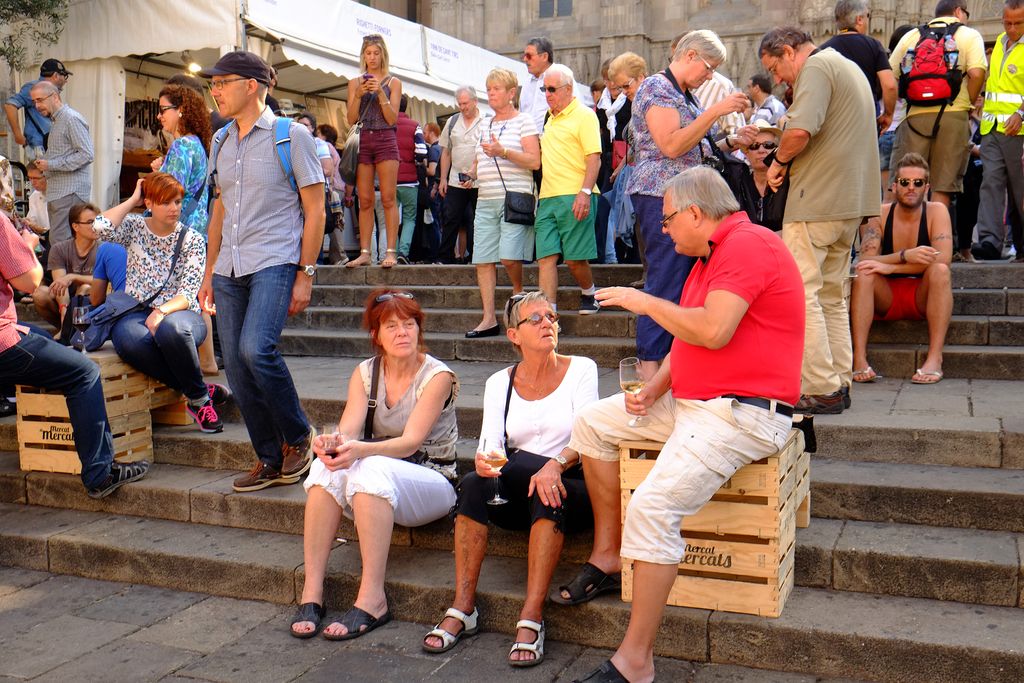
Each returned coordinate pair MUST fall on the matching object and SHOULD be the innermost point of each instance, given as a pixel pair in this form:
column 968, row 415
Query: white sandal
column 470, row 627
column 536, row 647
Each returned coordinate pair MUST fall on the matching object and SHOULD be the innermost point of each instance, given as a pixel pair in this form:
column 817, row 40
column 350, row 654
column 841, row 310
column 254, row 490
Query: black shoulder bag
column 520, row 207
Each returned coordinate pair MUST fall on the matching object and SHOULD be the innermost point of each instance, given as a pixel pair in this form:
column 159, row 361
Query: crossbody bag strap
column 174, row 262
column 371, row 403
column 500, row 176
column 508, row 399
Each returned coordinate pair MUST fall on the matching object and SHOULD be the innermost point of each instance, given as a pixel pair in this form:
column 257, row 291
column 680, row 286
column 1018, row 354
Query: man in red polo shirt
column 721, row 400
column 39, row 361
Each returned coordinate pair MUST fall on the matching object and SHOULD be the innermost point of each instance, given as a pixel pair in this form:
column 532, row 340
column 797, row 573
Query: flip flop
column 308, row 611
column 588, row 584
column 354, row 620
column 470, row 627
column 937, row 374
column 868, row 370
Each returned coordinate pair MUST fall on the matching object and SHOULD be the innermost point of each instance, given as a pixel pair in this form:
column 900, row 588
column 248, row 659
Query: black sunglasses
column 536, row 318
column 905, row 182
column 388, row 296
column 763, row 145
column 553, row 90
column 512, row 301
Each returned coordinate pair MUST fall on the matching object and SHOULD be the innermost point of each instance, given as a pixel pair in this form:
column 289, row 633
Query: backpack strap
column 215, row 144
column 283, row 145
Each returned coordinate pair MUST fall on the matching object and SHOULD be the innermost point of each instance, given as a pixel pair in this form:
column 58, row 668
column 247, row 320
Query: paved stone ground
column 56, row 628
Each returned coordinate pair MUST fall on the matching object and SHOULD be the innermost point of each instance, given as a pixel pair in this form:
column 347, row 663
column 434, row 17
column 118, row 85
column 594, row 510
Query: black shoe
column 6, row 407
column 589, row 305
column 121, row 473
column 845, row 391
column 206, row 417
column 983, row 251
column 219, row 393
column 488, row 332
column 824, row 404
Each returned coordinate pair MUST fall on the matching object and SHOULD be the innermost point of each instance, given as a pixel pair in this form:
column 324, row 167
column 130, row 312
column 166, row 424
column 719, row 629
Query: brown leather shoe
column 260, row 477
column 824, row 404
column 297, row 459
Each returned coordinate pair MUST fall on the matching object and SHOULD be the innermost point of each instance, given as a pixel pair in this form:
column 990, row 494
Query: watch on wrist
column 560, row 459
column 586, row 190
column 309, row 270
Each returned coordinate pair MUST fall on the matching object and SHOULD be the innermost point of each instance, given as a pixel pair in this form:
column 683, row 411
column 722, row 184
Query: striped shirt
column 714, row 91
column 262, row 214
column 69, row 155
column 510, row 134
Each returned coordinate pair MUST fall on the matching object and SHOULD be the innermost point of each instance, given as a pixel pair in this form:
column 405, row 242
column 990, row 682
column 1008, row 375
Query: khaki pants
column 822, row 252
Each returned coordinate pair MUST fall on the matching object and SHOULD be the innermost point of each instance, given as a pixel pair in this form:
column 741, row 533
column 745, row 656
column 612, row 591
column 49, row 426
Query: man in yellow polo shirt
column 570, row 159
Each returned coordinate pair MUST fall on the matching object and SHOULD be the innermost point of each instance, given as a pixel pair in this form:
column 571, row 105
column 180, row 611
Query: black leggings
column 520, row 512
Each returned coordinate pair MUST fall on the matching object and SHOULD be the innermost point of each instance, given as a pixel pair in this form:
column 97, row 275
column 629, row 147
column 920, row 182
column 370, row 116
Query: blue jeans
column 666, row 273
column 251, row 311
column 172, row 356
column 39, row 361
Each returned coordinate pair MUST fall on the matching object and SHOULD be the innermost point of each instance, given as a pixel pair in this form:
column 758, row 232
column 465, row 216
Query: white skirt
column 418, row 495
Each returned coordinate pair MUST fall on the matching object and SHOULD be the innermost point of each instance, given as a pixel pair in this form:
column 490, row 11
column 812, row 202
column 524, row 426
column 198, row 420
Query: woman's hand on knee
column 153, row 321
column 547, row 483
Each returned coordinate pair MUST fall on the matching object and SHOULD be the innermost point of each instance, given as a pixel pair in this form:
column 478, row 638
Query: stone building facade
column 586, row 32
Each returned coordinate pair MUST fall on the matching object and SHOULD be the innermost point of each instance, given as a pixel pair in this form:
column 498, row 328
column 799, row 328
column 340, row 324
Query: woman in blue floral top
column 669, row 129
column 162, row 341
column 184, row 116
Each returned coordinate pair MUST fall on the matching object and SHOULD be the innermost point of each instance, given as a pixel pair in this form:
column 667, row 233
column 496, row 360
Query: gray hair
column 705, row 43
column 517, row 302
column 847, row 12
column 468, row 89
column 774, row 40
column 543, row 45
column 563, row 72
column 46, row 87
column 704, row 188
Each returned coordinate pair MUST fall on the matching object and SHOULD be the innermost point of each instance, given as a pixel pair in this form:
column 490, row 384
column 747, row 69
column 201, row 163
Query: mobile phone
column 464, row 178
column 367, row 77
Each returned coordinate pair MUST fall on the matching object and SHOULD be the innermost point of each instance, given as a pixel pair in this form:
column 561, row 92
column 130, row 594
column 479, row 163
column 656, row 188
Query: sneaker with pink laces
column 206, row 417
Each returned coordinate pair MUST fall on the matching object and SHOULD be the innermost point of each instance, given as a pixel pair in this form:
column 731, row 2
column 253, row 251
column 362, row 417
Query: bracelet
column 504, row 154
column 903, row 255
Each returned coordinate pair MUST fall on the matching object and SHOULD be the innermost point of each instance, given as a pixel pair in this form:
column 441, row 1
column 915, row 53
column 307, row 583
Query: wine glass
column 632, row 383
column 330, row 439
column 493, row 451
column 80, row 320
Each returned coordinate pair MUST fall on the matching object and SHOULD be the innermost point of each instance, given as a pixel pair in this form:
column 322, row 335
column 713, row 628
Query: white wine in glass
column 493, row 454
column 632, row 382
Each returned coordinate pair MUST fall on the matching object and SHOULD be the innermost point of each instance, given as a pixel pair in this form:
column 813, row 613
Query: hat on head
column 53, row 66
column 765, row 127
column 240, row 63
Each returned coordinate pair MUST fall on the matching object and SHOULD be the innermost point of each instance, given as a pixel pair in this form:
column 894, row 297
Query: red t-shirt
column 764, row 356
column 15, row 259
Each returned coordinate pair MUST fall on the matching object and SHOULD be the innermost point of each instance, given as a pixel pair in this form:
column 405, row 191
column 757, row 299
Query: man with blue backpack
column 941, row 68
column 265, row 234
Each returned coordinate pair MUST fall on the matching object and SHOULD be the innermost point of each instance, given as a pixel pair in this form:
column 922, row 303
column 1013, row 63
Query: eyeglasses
column 665, row 220
column 218, row 85
column 905, row 182
column 171, row 106
column 388, row 296
column 527, row 56
column 88, row 222
column 627, row 84
column 771, row 69
column 707, row 66
column 763, row 145
column 552, row 90
column 535, row 319
column 37, row 100
column 966, row 12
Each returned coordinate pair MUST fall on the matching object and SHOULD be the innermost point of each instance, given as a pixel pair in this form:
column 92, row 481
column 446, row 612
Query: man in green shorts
column 570, row 159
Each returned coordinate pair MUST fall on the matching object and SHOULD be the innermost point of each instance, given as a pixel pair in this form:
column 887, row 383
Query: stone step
column 964, row 330
column 462, row 297
column 837, row 633
column 977, row 301
column 988, row 275
column 465, row 275
column 894, row 559
column 958, row 361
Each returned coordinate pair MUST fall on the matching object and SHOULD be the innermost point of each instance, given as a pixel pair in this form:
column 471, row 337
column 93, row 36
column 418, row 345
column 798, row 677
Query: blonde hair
column 502, row 77
column 378, row 40
column 628, row 64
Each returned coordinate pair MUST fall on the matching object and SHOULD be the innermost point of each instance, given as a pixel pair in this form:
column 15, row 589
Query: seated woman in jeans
column 163, row 340
column 532, row 405
column 397, row 468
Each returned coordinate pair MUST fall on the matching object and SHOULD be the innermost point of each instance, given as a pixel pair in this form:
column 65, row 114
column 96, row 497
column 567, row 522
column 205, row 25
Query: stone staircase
column 910, row 571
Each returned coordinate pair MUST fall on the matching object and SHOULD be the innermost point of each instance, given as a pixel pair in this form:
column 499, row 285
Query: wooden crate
column 46, row 439
column 167, row 406
column 740, row 547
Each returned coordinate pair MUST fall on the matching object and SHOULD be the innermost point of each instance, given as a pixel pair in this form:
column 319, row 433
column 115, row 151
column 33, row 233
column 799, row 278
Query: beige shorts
column 705, row 443
column 946, row 153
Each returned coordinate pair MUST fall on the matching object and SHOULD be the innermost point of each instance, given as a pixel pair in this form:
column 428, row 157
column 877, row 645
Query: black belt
column 780, row 407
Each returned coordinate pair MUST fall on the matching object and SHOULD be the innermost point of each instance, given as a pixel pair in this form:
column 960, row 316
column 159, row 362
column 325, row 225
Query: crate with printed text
column 46, row 440
column 740, row 547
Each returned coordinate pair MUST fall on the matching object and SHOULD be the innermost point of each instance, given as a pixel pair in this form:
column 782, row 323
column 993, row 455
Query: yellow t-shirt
column 569, row 137
column 972, row 56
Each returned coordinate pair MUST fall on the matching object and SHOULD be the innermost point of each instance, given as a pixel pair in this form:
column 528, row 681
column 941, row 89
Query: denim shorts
column 378, row 145
column 885, row 141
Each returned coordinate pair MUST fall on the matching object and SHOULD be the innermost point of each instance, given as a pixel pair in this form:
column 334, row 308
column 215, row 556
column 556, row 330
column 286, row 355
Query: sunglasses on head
column 536, row 318
column 763, row 145
column 905, row 182
column 388, row 296
column 511, row 303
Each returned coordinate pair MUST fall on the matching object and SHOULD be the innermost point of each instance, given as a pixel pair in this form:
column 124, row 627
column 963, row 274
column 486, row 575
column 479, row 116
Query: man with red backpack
column 932, row 62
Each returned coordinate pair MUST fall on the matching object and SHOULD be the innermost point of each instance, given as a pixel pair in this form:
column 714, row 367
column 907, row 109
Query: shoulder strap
column 923, row 238
column 215, row 144
column 371, row 403
column 283, row 145
column 508, row 399
column 174, row 262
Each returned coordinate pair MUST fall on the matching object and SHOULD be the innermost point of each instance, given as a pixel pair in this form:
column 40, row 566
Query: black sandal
column 588, row 584
column 606, row 673
column 308, row 611
column 355, row 619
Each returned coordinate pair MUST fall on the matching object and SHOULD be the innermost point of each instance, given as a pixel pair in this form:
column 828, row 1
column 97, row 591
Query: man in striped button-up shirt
column 68, row 159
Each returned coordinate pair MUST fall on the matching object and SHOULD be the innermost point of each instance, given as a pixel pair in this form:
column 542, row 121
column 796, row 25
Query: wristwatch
column 309, row 270
column 586, row 190
column 560, row 459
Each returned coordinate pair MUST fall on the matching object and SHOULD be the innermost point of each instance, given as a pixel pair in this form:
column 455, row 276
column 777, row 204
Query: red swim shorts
column 904, row 299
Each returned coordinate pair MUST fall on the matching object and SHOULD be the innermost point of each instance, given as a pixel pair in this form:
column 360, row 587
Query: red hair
column 402, row 306
column 162, row 188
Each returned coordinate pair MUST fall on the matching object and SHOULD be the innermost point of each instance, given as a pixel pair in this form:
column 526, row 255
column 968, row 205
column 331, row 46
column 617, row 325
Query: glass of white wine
column 493, row 451
column 631, row 381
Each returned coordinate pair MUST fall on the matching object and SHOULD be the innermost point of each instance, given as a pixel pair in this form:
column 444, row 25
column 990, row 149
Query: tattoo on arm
column 871, row 239
column 943, row 236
